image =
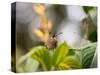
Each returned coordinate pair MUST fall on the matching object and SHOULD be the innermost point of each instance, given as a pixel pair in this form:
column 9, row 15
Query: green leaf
column 26, row 56
column 21, row 63
column 87, row 54
column 60, row 53
column 71, row 62
column 94, row 62
column 93, row 15
column 87, row 9
column 93, row 27
column 31, row 65
column 40, row 54
column 44, row 57
column 71, row 52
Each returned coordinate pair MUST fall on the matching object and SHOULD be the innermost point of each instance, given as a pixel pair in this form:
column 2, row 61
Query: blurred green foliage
column 61, row 58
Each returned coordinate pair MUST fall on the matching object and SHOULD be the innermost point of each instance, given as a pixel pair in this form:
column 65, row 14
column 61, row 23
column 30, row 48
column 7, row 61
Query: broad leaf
column 87, row 9
column 31, row 65
column 60, row 53
column 39, row 54
column 87, row 54
column 71, row 62
column 94, row 62
column 44, row 57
